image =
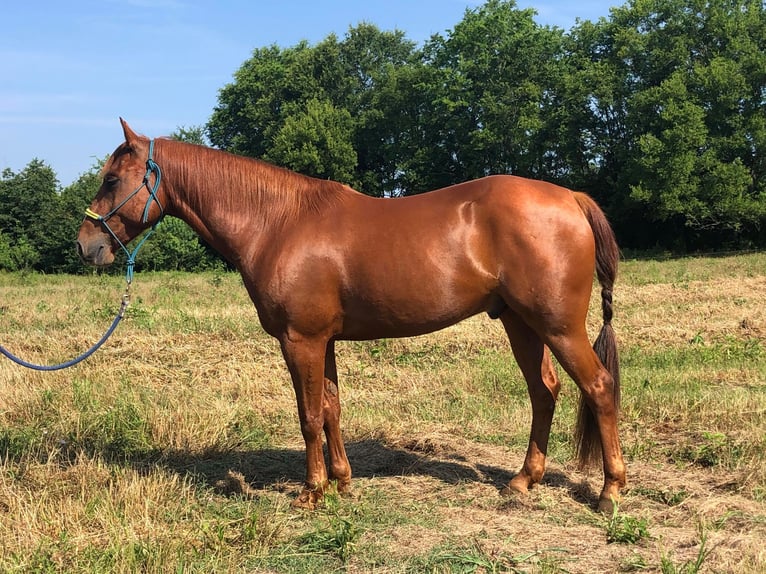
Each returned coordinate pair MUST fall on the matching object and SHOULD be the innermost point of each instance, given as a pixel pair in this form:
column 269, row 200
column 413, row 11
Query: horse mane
column 210, row 177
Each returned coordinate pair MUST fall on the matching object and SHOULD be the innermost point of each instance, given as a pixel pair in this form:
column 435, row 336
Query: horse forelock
column 214, row 179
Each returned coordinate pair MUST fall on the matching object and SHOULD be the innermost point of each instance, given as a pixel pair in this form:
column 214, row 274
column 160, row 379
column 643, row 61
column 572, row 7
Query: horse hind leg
column 543, row 385
column 598, row 387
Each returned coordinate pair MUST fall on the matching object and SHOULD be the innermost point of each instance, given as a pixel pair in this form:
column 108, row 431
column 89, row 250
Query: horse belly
column 405, row 305
column 374, row 323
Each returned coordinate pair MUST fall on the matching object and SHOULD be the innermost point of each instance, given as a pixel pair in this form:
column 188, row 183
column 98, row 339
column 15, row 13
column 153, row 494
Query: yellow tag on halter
column 92, row 214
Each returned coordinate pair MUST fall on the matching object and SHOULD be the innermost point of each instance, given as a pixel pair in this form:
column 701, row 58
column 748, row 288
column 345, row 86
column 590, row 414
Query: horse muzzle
column 96, row 250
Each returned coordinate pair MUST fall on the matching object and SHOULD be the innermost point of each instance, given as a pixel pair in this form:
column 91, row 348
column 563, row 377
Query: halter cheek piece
column 151, row 168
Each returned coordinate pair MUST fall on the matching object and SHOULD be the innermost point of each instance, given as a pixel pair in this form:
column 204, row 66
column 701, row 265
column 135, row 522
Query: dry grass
column 177, row 447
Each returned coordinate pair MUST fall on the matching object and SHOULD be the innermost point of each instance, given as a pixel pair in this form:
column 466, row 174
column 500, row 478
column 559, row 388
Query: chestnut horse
column 322, row 262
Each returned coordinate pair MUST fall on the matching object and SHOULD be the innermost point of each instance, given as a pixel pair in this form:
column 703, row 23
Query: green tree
column 314, row 108
column 250, row 110
column 586, row 124
column 176, row 247
column 192, row 134
column 28, row 202
column 492, row 93
column 373, row 61
column 316, row 141
column 672, row 115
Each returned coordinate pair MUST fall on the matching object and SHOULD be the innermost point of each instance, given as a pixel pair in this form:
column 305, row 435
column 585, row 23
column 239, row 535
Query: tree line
column 658, row 111
column 39, row 224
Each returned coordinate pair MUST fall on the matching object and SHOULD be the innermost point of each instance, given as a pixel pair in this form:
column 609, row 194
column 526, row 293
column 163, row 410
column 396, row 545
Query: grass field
column 176, row 448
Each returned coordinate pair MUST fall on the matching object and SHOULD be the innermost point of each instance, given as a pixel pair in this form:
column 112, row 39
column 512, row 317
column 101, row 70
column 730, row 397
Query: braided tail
column 587, row 436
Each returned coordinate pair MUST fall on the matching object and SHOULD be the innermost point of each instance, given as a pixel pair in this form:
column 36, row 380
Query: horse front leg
column 305, row 359
column 340, row 469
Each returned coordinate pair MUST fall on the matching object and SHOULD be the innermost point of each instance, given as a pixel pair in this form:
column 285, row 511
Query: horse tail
column 587, row 435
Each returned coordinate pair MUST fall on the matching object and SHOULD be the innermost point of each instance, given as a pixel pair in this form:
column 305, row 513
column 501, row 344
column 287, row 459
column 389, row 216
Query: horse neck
column 238, row 204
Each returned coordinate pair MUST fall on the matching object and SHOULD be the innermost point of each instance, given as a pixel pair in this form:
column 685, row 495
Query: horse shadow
column 249, row 472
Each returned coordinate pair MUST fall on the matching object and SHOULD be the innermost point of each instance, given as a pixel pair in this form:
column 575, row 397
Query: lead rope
column 86, row 354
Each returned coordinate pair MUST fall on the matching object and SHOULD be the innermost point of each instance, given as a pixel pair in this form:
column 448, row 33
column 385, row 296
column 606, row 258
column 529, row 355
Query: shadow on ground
column 283, row 469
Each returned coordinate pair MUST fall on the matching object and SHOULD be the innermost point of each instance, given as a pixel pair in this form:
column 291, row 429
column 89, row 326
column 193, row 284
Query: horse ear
column 130, row 135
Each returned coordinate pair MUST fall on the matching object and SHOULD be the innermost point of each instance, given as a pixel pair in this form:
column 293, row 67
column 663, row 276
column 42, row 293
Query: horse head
column 128, row 201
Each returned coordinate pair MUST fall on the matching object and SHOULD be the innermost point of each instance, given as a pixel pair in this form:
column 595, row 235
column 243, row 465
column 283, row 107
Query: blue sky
column 68, row 70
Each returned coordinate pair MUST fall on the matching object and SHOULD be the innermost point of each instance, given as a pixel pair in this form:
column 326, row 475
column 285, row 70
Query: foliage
column 192, row 134
column 314, row 108
column 625, row 529
column 686, row 103
column 39, row 223
column 493, row 72
column 175, row 247
column 315, row 141
column 27, row 205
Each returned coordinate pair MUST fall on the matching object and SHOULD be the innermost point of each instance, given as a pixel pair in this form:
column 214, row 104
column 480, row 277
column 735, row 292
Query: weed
column 474, row 558
column 669, row 497
column 143, row 315
column 18, row 442
column 254, row 526
column 337, row 535
column 625, row 529
column 217, row 278
column 633, row 563
column 667, row 566
column 710, row 449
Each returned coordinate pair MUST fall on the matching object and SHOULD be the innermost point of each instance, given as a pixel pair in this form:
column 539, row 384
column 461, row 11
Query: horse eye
column 111, row 180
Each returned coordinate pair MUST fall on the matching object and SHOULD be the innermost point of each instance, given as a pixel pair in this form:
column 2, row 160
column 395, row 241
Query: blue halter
column 151, row 168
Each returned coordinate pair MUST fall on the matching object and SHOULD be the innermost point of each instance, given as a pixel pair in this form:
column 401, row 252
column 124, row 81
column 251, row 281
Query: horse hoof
column 519, row 484
column 307, row 500
column 607, row 506
column 514, row 489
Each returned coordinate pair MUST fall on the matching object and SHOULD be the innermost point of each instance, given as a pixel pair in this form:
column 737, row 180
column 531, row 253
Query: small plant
column 668, row 497
column 143, row 315
column 667, row 566
column 633, row 563
column 473, row 559
column 697, row 339
column 711, row 449
column 625, row 529
column 338, row 537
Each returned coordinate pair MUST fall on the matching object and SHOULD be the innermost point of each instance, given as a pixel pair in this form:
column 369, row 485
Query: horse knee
column 311, row 426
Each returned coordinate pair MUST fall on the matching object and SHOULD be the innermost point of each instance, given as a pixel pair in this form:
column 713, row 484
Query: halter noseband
column 151, row 168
